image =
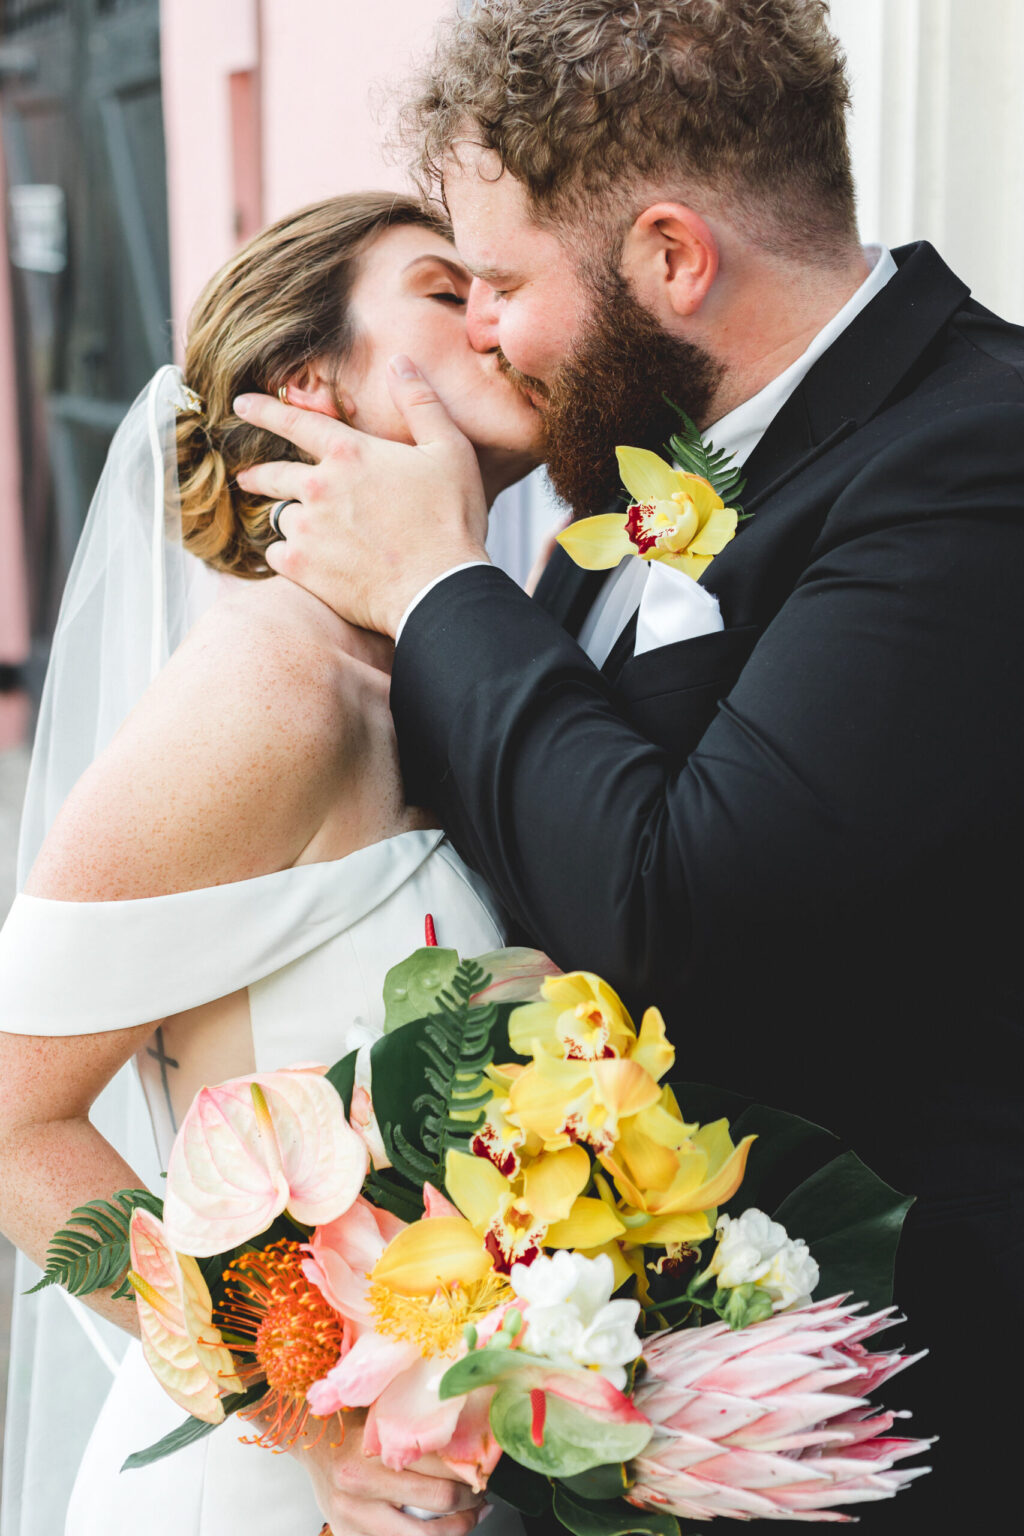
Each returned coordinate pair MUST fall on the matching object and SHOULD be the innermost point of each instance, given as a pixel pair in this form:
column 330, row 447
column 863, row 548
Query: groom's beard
column 609, row 392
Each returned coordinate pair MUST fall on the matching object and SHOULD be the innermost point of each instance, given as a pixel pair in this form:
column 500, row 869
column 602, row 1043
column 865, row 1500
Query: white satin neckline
column 82, row 967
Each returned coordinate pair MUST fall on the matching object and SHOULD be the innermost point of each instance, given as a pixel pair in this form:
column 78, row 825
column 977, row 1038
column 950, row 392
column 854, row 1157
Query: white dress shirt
column 672, row 607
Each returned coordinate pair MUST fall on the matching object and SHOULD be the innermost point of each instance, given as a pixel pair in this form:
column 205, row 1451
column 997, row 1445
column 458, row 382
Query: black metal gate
column 87, row 220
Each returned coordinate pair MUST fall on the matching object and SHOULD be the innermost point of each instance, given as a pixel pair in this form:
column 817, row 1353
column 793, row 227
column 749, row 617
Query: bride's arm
column 51, row 1157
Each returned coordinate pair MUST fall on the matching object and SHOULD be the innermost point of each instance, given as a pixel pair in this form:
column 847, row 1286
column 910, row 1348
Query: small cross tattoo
column 160, row 1055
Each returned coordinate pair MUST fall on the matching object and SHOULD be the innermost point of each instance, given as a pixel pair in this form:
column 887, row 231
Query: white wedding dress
column 311, row 946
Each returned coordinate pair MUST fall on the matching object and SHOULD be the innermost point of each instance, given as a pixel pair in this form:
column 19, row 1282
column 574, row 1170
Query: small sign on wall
column 39, row 228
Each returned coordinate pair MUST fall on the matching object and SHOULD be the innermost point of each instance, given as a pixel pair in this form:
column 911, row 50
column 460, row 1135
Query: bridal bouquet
column 509, row 1237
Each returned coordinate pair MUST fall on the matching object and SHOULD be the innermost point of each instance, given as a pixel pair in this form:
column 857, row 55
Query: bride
column 226, row 865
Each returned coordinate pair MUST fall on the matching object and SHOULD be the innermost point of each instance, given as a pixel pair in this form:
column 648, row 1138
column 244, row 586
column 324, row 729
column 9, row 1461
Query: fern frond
column 91, row 1251
column 688, row 449
column 457, row 1046
column 414, row 1164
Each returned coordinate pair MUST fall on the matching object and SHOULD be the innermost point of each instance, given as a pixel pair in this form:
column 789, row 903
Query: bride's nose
column 482, row 317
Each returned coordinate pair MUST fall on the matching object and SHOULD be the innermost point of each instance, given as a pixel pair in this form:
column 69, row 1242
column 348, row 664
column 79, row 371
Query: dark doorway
column 84, row 150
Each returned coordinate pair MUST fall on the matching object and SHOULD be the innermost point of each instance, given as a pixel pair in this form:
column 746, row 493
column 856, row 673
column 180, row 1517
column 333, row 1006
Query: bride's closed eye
column 448, row 297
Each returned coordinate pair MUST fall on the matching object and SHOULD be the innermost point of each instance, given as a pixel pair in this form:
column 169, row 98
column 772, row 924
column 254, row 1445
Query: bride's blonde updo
column 281, row 302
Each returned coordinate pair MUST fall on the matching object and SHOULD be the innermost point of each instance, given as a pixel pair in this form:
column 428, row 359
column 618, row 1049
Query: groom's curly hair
column 594, row 104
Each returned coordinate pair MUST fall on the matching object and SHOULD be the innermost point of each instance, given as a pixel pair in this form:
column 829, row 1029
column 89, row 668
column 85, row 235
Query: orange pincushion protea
column 271, row 1310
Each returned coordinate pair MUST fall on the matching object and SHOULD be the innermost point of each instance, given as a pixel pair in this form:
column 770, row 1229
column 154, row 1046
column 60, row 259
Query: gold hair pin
column 188, row 403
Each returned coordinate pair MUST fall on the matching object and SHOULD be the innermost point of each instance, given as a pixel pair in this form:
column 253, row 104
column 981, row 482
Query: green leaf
column 190, row 1431
column 481, row 1367
column 688, row 449
column 390, row 1192
column 343, row 1077
column 525, row 1490
column 91, row 1252
column 428, row 1078
column 412, row 988
column 788, row 1149
column 606, row 1482
column 851, row 1220
column 573, row 1440
column 585, row 1519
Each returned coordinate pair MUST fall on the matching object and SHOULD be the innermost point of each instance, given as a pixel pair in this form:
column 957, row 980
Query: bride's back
column 265, row 742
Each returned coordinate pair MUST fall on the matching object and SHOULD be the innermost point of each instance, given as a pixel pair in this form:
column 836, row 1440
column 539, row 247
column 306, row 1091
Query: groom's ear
column 315, row 388
column 671, row 256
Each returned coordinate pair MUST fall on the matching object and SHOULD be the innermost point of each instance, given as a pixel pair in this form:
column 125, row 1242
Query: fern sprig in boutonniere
column 696, row 457
column 679, row 516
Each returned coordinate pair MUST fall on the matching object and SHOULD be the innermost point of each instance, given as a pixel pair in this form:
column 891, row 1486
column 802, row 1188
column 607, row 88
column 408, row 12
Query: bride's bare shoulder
column 232, row 760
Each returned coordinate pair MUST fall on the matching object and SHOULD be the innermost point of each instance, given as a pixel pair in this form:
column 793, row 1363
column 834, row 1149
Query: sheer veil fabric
column 132, row 594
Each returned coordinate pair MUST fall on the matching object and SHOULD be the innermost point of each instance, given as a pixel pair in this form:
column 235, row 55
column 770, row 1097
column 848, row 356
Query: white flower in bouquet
column 570, row 1316
column 754, row 1250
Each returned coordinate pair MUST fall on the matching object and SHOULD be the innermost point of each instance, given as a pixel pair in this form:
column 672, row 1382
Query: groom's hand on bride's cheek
column 376, row 520
column 359, row 1496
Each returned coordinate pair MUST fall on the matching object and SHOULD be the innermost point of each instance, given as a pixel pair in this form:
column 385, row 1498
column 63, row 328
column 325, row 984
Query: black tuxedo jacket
column 802, row 837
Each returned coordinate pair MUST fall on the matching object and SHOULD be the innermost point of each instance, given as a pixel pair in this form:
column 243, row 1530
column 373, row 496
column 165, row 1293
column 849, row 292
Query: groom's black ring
column 275, row 518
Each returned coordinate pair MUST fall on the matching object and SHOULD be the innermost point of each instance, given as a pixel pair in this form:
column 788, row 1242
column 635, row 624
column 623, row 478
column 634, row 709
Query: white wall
column 938, row 132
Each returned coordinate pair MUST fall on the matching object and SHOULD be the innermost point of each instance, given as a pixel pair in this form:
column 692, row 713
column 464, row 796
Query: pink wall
column 321, row 73
column 14, row 625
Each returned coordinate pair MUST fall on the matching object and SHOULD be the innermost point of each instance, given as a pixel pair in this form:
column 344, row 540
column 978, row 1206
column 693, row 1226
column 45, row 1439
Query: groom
column 786, row 805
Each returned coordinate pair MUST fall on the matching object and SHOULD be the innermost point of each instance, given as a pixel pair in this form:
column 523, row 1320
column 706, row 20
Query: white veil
column 132, row 595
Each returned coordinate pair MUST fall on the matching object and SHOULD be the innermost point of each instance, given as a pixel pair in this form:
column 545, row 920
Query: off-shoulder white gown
column 310, row 946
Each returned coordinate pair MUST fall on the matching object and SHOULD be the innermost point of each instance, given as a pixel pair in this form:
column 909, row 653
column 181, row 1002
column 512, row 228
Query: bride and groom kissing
column 781, row 803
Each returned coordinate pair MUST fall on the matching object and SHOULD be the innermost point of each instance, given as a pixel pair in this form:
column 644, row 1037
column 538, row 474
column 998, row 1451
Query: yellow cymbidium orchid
column 543, row 1207
column 709, row 1171
column 581, row 1017
column 496, row 1222
column 564, row 1102
column 497, row 1138
column 565, row 1097
column 675, row 517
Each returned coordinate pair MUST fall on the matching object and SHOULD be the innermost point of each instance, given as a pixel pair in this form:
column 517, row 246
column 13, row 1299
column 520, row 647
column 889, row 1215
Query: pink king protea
column 770, row 1422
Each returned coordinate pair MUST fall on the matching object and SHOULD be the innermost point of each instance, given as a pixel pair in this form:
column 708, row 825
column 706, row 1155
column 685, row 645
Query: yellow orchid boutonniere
column 674, row 516
column 683, row 516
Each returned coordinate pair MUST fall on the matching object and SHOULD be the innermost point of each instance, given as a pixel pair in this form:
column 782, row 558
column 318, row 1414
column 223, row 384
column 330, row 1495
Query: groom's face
column 590, row 357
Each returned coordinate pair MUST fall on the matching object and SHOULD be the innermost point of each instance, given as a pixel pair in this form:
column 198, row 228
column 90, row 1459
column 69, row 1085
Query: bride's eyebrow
column 454, row 267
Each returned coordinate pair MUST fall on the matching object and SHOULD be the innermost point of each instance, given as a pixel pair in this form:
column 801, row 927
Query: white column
column 937, row 133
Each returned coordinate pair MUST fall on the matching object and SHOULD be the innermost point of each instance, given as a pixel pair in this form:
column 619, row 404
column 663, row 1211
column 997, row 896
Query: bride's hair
column 280, row 302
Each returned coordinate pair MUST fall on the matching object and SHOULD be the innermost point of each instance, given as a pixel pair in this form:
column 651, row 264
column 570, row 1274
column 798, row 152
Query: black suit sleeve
column 868, row 741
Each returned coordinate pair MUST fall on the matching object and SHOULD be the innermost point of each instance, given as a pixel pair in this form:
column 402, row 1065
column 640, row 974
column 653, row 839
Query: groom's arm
column 867, row 733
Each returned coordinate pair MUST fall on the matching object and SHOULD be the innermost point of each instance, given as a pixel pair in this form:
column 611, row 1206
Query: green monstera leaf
column 851, row 1221
column 584, row 1519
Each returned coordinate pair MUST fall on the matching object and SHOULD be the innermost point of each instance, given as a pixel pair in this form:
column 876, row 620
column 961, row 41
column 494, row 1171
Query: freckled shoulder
column 228, row 766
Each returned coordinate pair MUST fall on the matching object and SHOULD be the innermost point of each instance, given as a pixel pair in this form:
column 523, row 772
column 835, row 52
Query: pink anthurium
column 182, row 1346
column 253, row 1147
column 517, row 975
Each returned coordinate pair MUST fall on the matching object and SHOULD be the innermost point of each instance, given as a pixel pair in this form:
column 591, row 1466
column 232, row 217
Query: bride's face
column 410, row 296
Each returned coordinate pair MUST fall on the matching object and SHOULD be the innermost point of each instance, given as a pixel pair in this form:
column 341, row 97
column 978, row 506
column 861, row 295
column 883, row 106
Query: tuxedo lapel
column 873, row 360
